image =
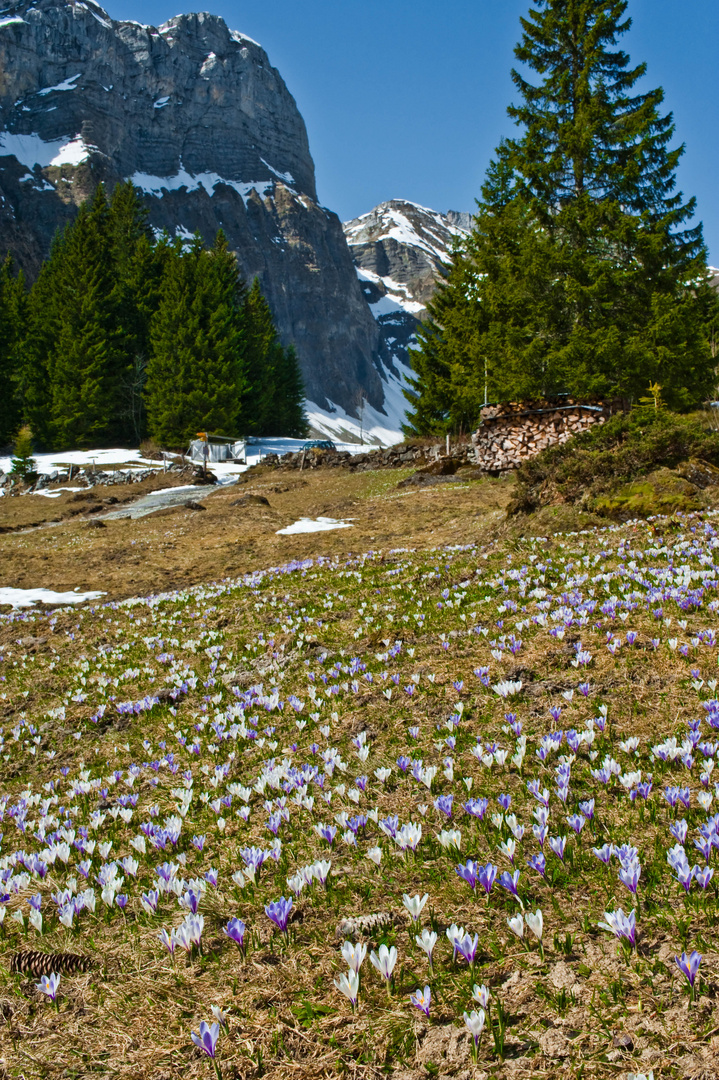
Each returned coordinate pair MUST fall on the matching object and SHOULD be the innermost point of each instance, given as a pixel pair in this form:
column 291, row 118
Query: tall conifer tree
column 86, row 357
column 12, row 322
column 289, row 419
column 195, row 369
column 586, row 274
column 262, row 350
column 137, row 269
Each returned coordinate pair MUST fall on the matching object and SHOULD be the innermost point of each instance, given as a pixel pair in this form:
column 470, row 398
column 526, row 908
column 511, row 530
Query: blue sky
column 408, row 99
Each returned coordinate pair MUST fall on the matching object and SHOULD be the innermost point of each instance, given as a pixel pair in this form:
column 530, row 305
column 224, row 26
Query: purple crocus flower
column 703, row 877
column 328, row 833
column 468, row 947
column 49, row 983
column 577, row 822
column 704, row 845
column 621, row 925
column 468, row 873
column 207, row 1039
column 540, row 832
column 558, row 844
column 168, row 940
column 510, row 881
column 538, row 863
column 279, row 912
column 504, row 801
column 235, row 931
column 191, row 901
column 587, row 808
column 689, row 967
column 604, row 853
column 422, row 1000
column 629, row 876
column 476, row 807
column 486, row 877
column 443, row 803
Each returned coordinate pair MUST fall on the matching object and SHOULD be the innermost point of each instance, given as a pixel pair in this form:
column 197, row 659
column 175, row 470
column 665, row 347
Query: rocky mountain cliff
column 197, row 117
column 399, row 249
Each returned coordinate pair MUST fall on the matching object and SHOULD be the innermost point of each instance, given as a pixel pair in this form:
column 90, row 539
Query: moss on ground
column 635, row 465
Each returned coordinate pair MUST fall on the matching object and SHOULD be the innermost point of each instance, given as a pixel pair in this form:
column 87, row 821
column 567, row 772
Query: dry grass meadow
column 236, row 692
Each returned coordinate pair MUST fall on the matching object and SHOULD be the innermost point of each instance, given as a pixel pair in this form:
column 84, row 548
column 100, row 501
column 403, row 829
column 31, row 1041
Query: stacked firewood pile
column 511, row 432
column 404, row 455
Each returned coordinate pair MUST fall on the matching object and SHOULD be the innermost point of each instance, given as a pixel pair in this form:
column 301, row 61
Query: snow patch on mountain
column 401, row 250
column 371, row 427
column 158, row 185
column 31, row 150
column 406, row 223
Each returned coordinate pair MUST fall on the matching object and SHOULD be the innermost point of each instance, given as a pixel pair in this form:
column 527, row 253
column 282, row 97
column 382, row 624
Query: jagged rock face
column 399, row 250
column 197, row 117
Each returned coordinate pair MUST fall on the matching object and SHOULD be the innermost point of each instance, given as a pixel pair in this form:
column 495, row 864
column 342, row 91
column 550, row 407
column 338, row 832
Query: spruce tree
column 23, row 463
column 290, row 419
column 85, row 357
column 586, row 274
column 261, row 352
column 137, row 269
column 13, row 302
column 195, row 368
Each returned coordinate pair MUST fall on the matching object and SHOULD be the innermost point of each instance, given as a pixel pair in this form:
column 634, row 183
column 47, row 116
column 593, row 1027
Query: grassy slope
column 408, row 617
column 633, row 466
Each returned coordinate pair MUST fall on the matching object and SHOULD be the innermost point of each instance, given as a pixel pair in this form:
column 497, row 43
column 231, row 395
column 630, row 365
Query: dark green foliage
column 289, row 415
column 138, row 268
column 86, row 357
column 195, row 369
column 580, row 275
column 12, row 318
column 121, row 333
column 273, row 394
column 629, row 446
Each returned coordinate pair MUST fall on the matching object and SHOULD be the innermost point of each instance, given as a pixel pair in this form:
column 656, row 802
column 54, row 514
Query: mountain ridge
column 400, row 249
column 197, row 117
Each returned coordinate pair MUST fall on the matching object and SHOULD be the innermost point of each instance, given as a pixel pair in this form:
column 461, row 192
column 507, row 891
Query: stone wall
column 512, row 432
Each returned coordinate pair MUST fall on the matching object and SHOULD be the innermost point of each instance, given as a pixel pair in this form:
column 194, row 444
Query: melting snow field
column 378, row 428
column 49, row 463
column 21, row 598
column 310, row 525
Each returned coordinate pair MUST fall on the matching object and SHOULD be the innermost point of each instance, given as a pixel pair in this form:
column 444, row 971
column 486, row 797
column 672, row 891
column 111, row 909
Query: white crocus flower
column 414, row 904
column 535, row 922
column 349, row 985
column 516, row 925
column 384, row 961
column 353, row 955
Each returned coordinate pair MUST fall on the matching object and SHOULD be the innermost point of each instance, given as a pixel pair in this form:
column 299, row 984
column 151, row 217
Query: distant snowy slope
column 400, row 249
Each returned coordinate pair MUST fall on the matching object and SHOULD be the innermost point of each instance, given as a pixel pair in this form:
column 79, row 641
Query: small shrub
column 23, row 463
column 594, row 466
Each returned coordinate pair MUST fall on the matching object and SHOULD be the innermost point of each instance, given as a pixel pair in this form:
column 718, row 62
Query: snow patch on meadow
column 21, row 598
column 313, row 525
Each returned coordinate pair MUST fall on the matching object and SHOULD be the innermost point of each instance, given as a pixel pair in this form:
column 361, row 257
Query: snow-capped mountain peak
column 400, row 250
